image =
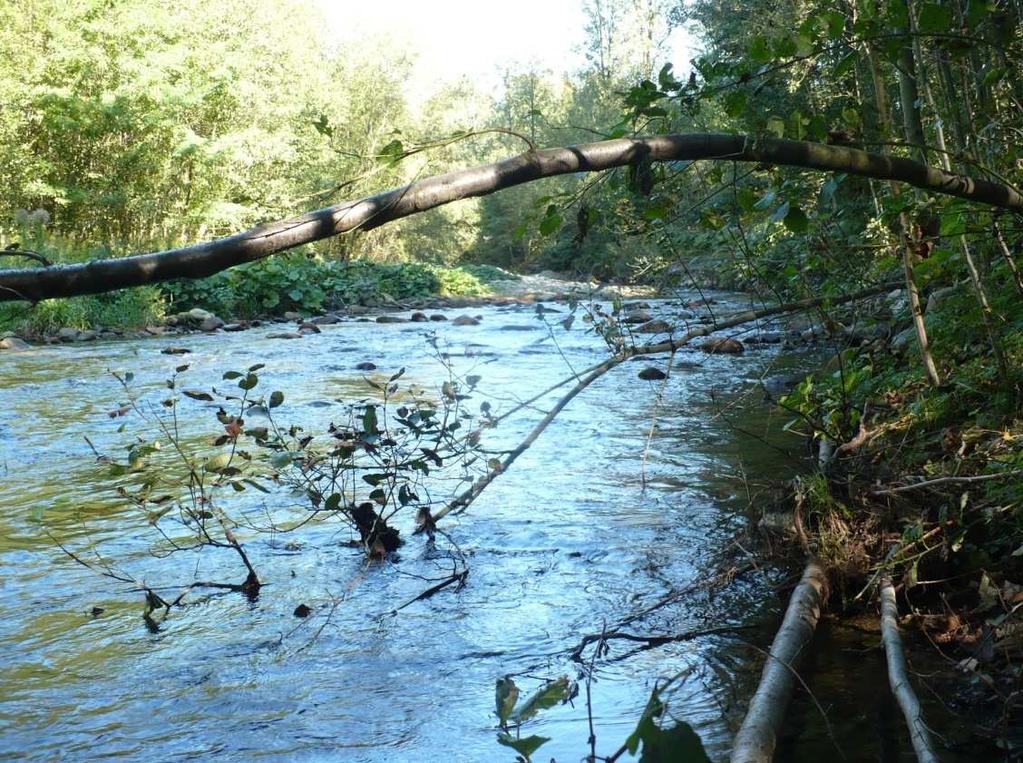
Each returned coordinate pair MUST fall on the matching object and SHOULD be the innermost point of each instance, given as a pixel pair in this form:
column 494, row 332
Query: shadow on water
column 567, row 540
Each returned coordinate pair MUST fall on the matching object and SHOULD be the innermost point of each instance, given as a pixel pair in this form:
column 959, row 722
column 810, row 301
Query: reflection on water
column 568, row 540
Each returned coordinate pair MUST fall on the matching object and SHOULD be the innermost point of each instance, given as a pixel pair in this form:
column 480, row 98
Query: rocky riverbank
column 528, row 289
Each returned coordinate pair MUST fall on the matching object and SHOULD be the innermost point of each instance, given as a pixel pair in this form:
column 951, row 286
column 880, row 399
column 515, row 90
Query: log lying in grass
column 898, row 675
column 758, row 735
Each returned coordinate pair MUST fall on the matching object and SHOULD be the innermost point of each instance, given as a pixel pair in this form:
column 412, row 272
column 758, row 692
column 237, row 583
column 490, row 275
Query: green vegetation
column 309, row 283
column 133, row 128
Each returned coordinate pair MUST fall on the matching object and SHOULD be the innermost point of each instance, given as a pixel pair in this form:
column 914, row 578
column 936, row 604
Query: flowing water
column 589, row 526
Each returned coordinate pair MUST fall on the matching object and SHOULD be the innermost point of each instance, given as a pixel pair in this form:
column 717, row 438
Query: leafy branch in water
column 392, row 451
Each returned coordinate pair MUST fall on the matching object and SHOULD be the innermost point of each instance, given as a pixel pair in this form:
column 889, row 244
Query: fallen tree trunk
column 898, row 675
column 758, row 735
column 201, row 260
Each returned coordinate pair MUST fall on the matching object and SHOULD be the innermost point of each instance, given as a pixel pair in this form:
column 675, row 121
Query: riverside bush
column 309, row 283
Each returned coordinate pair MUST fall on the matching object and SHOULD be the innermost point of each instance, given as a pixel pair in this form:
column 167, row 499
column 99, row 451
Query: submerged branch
column 898, row 677
column 758, row 735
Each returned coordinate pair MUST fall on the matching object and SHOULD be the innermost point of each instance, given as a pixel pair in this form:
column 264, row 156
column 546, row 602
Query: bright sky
column 474, row 38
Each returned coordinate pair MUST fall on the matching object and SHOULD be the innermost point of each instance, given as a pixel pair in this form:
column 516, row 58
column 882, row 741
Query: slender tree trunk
column 914, row 132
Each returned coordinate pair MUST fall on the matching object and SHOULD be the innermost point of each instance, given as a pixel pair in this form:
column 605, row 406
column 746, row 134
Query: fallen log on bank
column 898, row 675
column 758, row 734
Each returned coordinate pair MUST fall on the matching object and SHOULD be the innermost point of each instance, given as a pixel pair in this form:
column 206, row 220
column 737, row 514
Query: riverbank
column 498, row 287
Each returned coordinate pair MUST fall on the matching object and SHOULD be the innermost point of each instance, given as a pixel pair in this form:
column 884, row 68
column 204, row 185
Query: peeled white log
column 758, row 735
column 898, row 675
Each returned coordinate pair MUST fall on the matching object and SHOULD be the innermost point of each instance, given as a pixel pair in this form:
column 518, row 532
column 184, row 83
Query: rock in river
column 723, row 346
column 654, row 327
column 652, row 374
column 13, row 343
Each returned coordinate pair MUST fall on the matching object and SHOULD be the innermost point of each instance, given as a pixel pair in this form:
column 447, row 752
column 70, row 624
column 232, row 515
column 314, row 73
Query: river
column 568, row 540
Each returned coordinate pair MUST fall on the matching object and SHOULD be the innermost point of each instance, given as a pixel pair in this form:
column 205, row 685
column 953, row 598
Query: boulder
column 291, row 315
column 418, row 317
column 211, row 324
column 308, row 328
column 654, row 327
column 366, row 366
column 650, row 373
column 67, row 334
column 327, row 319
column 13, row 344
column 196, row 315
column 723, row 346
column 637, row 316
column 233, row 327
column 765, row 337
column 904, row 338
column 438, row 317
column 284, row 335
column 86, row 336
column 390, row 319
column 466, row 320
column 940, row 295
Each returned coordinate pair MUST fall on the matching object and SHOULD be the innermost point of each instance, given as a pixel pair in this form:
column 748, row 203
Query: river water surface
column 568, row 540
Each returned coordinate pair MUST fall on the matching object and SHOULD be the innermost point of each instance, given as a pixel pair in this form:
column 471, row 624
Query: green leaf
column 547, row 696
column 796, row 220
column 759, row 49
column 679, row 744
column 369, row 420
column 846, row 64
column 785, row 47
column 276, row 398
column 551, row 221
column 250, row 381
column 218, row 463
column 935, row 18
column 735, row 103
column 524, row 746
column 505, row 697
column 834, row 23
column 776, row 125
column 232, row 375
column 392, row 153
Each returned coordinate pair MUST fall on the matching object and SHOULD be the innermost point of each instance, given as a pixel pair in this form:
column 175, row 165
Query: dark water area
column 588, row 527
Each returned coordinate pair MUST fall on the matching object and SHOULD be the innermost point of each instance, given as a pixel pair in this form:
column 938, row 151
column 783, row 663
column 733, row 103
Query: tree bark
column 898, row 679
column 909, row 98
column 201, row 260
column 758, row 735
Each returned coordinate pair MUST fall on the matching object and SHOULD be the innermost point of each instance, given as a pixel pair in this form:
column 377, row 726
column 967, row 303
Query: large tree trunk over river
column 206, row 259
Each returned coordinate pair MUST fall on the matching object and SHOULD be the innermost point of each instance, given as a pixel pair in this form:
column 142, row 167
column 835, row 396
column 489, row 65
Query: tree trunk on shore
column 758, row 735
column 201, row 260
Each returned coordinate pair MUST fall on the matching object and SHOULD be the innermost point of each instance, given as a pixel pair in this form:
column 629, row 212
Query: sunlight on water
column 567, row 540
